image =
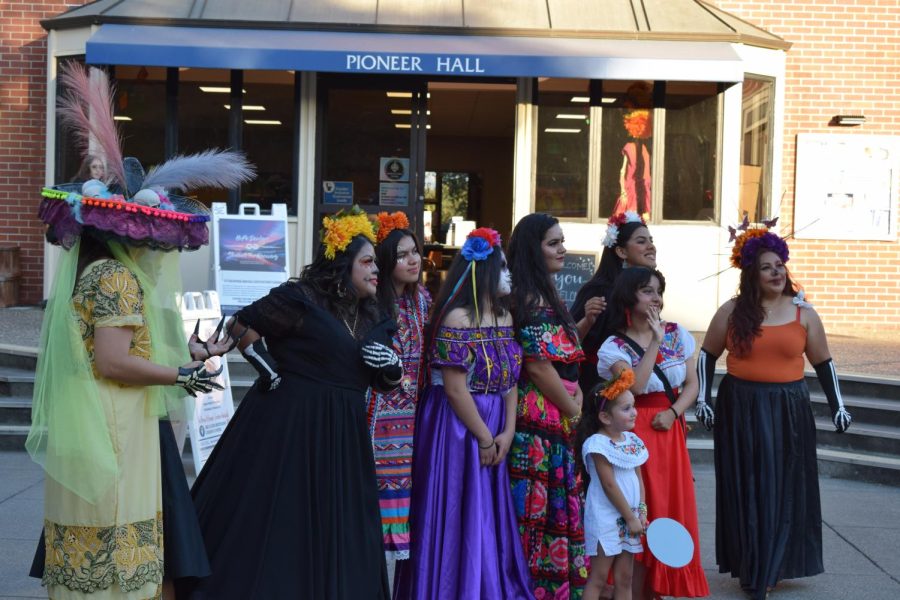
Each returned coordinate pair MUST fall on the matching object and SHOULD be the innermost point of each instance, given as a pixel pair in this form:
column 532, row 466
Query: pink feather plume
column 86, row 107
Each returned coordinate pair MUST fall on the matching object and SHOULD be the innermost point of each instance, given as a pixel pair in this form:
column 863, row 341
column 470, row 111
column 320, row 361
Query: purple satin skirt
column 465, row 540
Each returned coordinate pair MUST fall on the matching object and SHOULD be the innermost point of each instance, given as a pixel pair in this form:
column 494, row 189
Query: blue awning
column 414, row 54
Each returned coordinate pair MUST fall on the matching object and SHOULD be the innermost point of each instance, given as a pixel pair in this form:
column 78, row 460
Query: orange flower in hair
column 618, row 384
column 388, row 222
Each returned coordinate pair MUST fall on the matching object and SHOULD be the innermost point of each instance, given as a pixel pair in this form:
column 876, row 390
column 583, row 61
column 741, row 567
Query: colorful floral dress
column 391, row 417
column 465, row 541
column 546, row 482
column 114, row 548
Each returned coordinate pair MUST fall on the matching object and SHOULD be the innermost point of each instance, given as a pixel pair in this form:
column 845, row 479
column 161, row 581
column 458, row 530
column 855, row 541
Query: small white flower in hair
column 800, row 300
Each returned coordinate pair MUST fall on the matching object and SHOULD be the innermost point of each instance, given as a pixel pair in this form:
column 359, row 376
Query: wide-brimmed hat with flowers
column 130, row 206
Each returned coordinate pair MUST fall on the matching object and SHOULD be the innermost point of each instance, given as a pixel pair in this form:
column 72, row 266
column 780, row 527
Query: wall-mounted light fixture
column 847, row 120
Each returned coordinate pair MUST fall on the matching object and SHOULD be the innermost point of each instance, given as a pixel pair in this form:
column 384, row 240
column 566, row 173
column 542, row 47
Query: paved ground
column 861, row 537
column 861, row 520
column 864, row 352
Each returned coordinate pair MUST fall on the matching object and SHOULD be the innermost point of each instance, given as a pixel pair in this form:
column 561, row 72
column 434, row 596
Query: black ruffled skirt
column 768, row 513
column 185, row 554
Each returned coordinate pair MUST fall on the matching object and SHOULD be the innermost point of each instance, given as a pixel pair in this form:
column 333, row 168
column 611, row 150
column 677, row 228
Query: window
column 140, row 112
column 756, row 149
column 626, row 151
column 362, row 126
column 563, row 148
column 690, row 185
column 268, row 137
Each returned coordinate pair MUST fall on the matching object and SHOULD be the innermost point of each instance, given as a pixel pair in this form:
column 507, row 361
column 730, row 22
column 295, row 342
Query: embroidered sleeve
column 614, row 350
column 452, row 349
column 548, row 341
column 627, row 454
column 118, row 299
column 687, row 341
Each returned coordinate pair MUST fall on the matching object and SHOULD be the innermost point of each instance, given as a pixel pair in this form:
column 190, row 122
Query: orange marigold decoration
column 745, row 249
column 339, row 230
column 386, row 223
column 638, row 123
column 618, row 384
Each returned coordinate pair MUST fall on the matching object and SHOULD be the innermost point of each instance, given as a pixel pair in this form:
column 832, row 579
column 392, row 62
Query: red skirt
column 669, row 490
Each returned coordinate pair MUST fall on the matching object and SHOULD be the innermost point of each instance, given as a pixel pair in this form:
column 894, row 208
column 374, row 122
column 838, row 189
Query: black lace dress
column 288, row 502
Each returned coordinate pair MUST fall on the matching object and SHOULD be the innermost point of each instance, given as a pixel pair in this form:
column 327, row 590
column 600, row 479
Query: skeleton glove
column 197, row 380
column 703, row 411
column 379, row 356
column 257, row 354
column 829, row 382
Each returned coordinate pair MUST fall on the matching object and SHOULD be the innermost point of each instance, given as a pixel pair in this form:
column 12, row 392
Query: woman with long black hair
column 546, row 483
column 287, row 501
column 627, row 243
column 768, row 512
column 463, row 528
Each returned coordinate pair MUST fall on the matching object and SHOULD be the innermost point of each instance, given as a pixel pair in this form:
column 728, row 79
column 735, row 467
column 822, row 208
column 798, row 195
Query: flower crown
column 386, row 223
column 615, row 386
column 480, row 243
column 340, row 229
column 615, row 222
column 637, row 123
column 750, row 241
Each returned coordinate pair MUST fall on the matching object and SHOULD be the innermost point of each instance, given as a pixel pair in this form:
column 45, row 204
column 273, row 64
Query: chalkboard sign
column 577, row 270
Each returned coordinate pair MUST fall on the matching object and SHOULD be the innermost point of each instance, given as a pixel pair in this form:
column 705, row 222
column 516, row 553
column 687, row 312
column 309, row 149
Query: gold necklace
column 352, row 330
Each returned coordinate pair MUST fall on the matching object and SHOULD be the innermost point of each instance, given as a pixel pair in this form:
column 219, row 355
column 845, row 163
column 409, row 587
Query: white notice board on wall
column 847, row 186
column 250, row 253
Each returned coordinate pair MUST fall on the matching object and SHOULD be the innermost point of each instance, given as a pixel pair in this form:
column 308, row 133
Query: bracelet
column 486, row 447
column 675, row 412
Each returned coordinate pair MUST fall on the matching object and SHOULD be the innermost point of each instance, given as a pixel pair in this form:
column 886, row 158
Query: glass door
column 371, row 145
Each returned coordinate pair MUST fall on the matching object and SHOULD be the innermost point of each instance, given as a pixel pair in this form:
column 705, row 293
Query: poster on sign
column 208, row 414
column 578, row 268
column 250, row 252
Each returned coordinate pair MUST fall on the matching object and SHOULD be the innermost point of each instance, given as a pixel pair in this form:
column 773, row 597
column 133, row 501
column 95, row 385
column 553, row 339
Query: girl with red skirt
column 643, row 341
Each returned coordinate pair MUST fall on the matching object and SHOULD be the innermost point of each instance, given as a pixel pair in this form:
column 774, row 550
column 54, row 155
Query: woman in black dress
column 288, row 502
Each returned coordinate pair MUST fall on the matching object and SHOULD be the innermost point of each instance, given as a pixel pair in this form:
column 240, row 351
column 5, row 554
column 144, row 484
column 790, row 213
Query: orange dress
column 768, row 513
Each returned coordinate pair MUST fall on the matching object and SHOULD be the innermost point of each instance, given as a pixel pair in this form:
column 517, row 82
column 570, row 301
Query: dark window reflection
column 692, row 124
column 268, row 137
column 563, row 148
column 140, row 112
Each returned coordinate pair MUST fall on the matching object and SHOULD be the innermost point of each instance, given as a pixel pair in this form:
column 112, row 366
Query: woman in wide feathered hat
column 113, row 355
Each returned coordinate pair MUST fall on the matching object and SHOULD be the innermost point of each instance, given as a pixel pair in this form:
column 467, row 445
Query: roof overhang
column 414, row 54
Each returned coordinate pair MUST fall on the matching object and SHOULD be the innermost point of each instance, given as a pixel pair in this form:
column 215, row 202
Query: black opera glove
column 829, row 381
column 706, row 369
column 198, row 380
column 257, row 354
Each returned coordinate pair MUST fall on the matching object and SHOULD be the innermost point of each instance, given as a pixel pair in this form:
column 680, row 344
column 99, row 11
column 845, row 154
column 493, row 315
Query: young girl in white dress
column 615, row 515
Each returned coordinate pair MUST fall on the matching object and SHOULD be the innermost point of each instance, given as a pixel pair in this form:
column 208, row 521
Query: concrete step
column 12, row 437
column 882, row 411
column 22, row 357
column 864, row 386
column 15, row 381
column 864, row 466
column 15, row 410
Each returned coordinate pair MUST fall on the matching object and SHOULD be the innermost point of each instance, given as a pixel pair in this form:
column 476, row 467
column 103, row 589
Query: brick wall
column 23, row 90
column 845, row 59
